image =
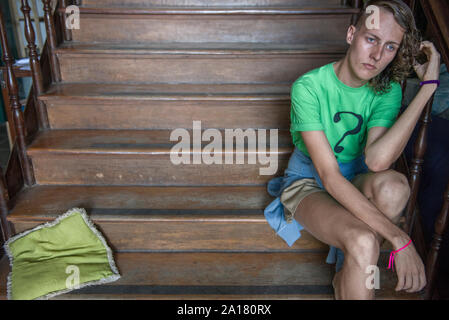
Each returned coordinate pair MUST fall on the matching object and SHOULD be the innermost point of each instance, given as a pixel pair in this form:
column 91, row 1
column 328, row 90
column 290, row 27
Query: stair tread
column 220, row 275
column 151, row 142
column 198, row 48
column 143, row 202
column 163, row 218
column 166, row 91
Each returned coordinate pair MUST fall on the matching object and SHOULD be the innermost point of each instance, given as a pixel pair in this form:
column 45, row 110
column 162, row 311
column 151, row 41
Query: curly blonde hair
column 401, row 66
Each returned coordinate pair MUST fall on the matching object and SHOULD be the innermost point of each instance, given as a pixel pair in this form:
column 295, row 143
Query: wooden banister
column 18, row 120
column 432, row 258
column 36, row 71
column 436, row 13
column 419, row 150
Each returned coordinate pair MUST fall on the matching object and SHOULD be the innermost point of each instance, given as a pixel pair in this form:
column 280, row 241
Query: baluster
column 35, row 17
column 6, row 229
column 66, row 32
column 432, row 259
column 357, row 3
column 412, row 6
column 419, row 150
column 38, row 82
column 51, row 40
column 16, row 111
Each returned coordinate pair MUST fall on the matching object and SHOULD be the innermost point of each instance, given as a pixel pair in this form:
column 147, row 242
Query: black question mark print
column 356, row 130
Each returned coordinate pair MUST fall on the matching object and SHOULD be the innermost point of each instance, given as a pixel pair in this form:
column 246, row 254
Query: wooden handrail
column 36, row 71
column 18, row 120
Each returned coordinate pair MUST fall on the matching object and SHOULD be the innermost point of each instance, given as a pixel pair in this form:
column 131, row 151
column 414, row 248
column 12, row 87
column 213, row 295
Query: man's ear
column 350, row 34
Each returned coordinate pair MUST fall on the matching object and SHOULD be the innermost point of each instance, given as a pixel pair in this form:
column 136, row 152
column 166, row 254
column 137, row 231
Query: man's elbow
column 377, row 164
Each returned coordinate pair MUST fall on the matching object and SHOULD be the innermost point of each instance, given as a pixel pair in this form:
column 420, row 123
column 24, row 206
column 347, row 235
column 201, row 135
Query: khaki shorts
column 293, row 195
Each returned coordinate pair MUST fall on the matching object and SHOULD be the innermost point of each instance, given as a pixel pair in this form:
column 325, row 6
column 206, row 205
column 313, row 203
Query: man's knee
column 391, row 192
column 362, row 244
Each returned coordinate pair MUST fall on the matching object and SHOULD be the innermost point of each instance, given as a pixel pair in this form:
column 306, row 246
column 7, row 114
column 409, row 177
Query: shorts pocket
column 295, row 193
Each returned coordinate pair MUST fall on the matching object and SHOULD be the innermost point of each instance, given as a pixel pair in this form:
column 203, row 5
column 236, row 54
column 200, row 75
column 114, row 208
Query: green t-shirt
column 320, row 101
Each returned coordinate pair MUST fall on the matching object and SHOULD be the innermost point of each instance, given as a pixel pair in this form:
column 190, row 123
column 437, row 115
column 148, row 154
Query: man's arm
column 384, row 146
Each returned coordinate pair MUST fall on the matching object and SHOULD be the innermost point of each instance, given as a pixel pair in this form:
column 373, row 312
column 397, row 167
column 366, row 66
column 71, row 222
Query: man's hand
column 409, row 267
column 431, row 69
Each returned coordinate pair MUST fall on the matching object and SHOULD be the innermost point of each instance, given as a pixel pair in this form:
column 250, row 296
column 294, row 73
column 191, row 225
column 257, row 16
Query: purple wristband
column 430, row 81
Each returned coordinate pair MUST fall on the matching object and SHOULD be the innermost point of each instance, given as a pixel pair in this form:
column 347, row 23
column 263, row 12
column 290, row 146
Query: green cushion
column 58, row 257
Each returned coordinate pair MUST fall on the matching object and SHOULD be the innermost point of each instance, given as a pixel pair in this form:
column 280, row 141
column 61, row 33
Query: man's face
column 372, row 50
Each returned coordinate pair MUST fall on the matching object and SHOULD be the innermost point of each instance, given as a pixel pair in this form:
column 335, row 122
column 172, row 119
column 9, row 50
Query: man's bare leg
column 331, row 223
column 389, row 192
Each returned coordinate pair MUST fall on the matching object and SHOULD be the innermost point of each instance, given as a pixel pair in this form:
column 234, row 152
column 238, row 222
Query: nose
column 376, row 53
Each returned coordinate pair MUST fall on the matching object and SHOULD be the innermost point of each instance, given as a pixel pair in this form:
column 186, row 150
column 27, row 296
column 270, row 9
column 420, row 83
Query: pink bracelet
column 391, row 262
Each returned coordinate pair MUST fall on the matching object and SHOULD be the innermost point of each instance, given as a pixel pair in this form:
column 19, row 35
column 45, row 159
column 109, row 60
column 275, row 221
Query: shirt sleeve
column 386, row 108
column 305, row 112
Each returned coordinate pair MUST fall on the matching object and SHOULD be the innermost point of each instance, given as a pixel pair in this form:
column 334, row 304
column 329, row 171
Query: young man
column 343, row 122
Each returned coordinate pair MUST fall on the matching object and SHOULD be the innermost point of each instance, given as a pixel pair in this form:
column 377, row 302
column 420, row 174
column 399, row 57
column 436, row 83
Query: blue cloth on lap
column 300, row 166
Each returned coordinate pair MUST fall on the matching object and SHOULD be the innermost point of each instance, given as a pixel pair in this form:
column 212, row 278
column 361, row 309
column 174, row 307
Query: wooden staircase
column 135, row 71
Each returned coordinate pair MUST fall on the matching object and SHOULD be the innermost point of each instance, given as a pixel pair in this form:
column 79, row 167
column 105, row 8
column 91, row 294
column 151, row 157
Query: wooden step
column 221, row 276
column 202, row 63
column 127, row 106
column 145, row 157
column 226, row 218
column 214, row 24
column 205, row 3
column 165, row 218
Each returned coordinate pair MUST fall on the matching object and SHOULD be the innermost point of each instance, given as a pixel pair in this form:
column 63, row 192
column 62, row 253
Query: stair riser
column 189, row 69
column 211, row 28
column 107, row 169
column 205, row 3
column 193, row 235
column 135, row 114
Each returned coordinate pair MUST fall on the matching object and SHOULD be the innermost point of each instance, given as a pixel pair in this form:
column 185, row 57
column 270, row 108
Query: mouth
column 369, row 66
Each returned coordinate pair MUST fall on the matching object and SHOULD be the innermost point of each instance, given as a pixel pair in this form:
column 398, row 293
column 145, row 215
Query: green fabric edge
column 91, row 226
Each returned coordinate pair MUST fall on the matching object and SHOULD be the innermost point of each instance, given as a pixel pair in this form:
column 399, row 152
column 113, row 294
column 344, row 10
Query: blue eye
column 369, row 39
column 391, row 48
